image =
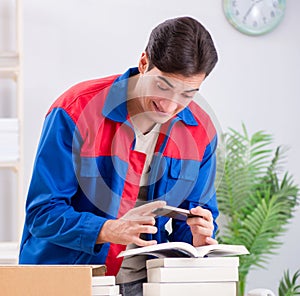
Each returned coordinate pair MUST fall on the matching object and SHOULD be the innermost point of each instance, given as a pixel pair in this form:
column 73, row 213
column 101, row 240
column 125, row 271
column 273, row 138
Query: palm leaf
column 288, row 286
column 254, row 200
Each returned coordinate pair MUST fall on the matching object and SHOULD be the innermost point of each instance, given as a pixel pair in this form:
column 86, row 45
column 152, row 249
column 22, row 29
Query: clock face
column 254, row 17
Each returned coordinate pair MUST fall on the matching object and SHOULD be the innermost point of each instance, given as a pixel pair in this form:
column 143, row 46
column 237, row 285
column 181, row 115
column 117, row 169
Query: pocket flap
column 184, row 169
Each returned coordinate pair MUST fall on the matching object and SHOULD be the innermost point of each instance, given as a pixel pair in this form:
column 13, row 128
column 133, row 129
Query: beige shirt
column 146, row 144
column 134, row 268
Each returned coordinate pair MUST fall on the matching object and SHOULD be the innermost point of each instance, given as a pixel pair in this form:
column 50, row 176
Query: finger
column 149, row 220
column 194, row 221
column 206, row 214
column 149, row 207
column 199, row 230
column 147, row 229
column 143, row 243
column 211, row 241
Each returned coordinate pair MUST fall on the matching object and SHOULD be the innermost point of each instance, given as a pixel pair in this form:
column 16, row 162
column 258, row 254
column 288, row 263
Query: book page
column 221, row 250
column 171, row 249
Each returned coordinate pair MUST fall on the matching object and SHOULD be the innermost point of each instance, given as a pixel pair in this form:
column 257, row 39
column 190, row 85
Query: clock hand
column 249, row 10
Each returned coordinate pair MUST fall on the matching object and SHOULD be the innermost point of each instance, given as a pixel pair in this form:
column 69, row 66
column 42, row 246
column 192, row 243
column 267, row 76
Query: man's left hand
column 202, row 227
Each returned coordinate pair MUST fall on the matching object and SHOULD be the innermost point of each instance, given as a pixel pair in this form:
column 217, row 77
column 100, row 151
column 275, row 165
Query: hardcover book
column 181, row 249
column 191, row 289
column 192, row 275
column 193, row 262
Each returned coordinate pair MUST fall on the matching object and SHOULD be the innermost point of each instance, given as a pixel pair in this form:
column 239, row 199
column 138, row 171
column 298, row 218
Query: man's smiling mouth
column 159, row 110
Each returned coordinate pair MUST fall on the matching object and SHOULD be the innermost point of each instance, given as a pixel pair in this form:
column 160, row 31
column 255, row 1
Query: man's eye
column 162, row 86
column 187, row 96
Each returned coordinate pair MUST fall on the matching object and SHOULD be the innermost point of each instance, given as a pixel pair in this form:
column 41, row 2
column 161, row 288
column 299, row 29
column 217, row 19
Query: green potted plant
column 256, row 199
column 289, row 286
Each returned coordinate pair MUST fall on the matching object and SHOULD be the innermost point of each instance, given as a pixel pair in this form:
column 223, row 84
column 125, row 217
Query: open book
column 181, row 249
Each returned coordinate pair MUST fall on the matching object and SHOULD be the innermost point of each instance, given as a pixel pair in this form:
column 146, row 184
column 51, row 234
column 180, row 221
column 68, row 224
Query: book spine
column 103, row 281
column 194, row 262
column 105, row 290
column 9, row 149
column 8, row 125
column 191, row 289
column 192, row 275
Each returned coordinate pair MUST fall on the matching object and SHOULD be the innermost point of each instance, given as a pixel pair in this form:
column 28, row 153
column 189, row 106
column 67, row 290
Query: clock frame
column 254, row 17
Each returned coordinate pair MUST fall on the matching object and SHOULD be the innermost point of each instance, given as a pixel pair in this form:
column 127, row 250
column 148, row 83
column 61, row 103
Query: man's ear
column 143, row 63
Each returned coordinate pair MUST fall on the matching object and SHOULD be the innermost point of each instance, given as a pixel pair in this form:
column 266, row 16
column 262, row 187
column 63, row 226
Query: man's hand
column 202, row 228
column 128, row 228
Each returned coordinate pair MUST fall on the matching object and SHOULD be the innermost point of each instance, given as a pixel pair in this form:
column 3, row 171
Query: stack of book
column 182, row 269
column 104, row 285
column 192, row 276
column 9, row 150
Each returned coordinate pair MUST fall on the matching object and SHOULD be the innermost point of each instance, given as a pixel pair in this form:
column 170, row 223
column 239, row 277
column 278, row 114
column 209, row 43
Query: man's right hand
column 128, row 228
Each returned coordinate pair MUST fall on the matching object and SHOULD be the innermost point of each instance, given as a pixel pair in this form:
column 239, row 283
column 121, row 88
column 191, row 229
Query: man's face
column 163, row 95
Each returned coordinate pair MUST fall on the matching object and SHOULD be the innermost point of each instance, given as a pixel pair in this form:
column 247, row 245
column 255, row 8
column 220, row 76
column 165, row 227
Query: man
column 114, row 149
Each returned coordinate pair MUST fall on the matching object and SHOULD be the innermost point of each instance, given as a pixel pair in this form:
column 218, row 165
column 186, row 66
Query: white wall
column 256, row 80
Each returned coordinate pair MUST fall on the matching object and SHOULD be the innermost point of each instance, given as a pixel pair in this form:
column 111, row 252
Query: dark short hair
column 181, row 46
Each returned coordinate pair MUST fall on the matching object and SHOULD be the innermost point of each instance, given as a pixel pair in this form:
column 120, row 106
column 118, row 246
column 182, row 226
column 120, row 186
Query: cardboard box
column 48, row 280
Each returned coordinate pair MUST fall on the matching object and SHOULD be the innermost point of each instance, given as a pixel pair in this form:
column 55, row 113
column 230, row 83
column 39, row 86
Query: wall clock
column 254, row 17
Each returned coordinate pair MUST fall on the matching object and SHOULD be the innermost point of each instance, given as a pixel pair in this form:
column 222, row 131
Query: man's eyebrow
column 166, row 81
column 171, row 85
column 191, row 90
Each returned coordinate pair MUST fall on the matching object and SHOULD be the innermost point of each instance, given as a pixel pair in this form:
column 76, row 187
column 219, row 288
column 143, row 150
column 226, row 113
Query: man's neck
column 137, row 115
column 141, row 122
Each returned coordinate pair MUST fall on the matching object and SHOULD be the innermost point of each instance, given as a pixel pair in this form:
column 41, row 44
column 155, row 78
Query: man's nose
column 167, row 106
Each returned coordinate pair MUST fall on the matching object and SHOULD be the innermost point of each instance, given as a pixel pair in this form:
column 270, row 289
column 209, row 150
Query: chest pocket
column 101, row 181
column 184, row 169
column 95, row 182
column 182, row 177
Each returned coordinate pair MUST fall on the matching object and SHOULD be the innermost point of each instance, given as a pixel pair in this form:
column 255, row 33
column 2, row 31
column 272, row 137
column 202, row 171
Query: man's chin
column 160, row 118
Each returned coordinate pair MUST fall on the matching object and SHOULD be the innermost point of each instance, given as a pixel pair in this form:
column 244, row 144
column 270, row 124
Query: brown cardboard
column 47, row 280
